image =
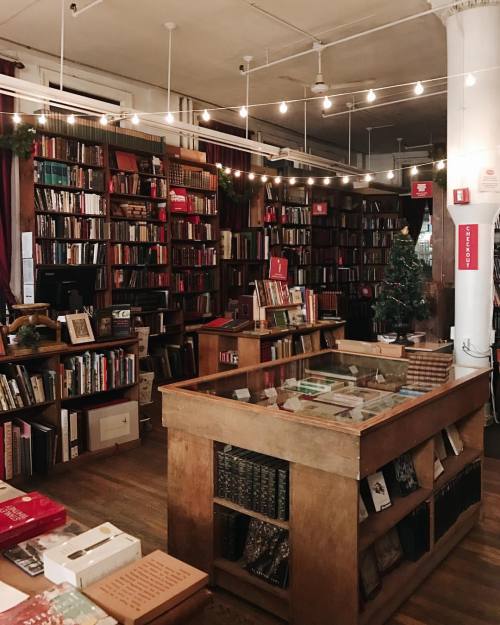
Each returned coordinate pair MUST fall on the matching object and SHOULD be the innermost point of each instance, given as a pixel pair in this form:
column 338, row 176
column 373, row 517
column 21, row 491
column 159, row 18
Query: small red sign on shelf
column 320, row 208
column 278, row 268
column 461, row 196
column 468, row 243
column 421, row 190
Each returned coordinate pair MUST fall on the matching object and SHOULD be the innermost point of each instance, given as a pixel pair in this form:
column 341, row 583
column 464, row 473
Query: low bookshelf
column 358, row 508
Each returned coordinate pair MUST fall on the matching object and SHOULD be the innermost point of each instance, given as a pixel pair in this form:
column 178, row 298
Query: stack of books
column 429, row 369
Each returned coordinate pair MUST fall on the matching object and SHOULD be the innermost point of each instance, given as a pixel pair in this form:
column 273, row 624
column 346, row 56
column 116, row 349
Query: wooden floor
column 130, row 490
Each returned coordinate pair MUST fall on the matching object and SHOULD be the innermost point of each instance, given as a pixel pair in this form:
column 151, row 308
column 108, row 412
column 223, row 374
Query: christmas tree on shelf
column 401, row 299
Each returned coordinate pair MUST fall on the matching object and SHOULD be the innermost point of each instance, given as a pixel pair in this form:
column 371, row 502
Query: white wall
column 394, row 160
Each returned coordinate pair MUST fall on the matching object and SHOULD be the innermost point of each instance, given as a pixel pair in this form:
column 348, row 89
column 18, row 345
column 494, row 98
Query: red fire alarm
column 461, row 196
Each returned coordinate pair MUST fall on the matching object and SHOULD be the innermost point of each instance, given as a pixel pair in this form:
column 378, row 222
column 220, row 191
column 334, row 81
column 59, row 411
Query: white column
column 473, row 32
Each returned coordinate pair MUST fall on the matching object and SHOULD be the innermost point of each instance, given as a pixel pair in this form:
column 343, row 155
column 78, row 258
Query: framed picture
column 79, row 328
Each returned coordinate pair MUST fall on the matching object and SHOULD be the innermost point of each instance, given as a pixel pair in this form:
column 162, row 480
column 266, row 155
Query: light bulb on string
column 135, row 119
column 103, row 120
column 345, row 179
column 263, row 178
column 292, row 181
column 371, row 96
column 327, row 103
column 326, row 181
column 227, row 171
column 414, row 170
column 205, row 116
column 368, row 178
column 440, row 164
column 237, row 173
column 470, row 80
column 390, row 174
column 169, row 118
column 42, row 119
column 16, row 118
column 277, row 180
column 283, row 107
column 419, row 88
column 310, row 181
column 243, row 112
column 218, row 165
column 251, row 176
column 71, row 120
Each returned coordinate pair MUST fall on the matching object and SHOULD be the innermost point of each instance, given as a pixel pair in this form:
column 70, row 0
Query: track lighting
column 135, row 119
column 419, row 88
column 283, row 107
column 205, row 116
column 371, row 96
column 243, row 112
column 390, row 174
column 169, row 118
column 327, row 103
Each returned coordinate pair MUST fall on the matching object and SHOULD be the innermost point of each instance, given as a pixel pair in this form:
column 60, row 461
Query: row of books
column 312, row 275
column 62, row 227
column 324, row 255
column 185, row 175
column 348, row 221
column 272, row 293
column 380, row 206
column 53, row 173
column 93, row 372
column 191, row 256
column 188, row 280
column 250, row 245
column 77, row 203
column 274, row 350
column 381, row 223
column 347, row 255
column 347, row 274
column 330, row 300
column 183, row 202
column 61, row 253
column 143, row 278
column 377, row 257
column 68, row 150
column 134, row 184
column 374, row 273
column 297, row 256
column 377, row 239
column 140, row 231
column 254, row 481
column 295, row 236
column 20, row 388
column 189, row 229
column 140, row 210
column 130, row 162
column 229, row 357
column 144, row 300
column 200, row 304
column 172, row 361
column 123, row 254
column 26, row 447
column 242, row 275
column 300, row 215
column 158, row 322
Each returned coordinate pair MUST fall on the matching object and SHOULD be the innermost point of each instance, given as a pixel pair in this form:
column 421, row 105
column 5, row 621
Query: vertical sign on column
column 468, row 247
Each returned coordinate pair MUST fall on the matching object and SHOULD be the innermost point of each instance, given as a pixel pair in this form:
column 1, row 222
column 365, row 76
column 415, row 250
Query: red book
column 178, row 200
column 2, row 465
column 217, row 323
column 278, row 268
column 27, row 516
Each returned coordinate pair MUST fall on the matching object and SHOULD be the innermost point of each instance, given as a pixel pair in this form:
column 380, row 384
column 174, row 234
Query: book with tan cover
column 147, row 588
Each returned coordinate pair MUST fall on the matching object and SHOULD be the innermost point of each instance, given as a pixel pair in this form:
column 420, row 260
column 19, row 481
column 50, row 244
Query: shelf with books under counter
column 403, row 457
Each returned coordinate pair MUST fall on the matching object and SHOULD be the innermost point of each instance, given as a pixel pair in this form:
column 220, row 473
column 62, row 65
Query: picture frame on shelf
column 79, row 328
column 103, row 324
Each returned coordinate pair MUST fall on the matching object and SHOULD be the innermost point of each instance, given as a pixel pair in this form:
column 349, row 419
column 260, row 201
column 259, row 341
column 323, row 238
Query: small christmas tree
column 401, row 300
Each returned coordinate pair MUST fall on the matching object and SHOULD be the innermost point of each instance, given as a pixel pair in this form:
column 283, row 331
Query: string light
column 243, row 112
column 326, row 181
column 345, row 179
column 292, row 181
column 277, row 180
column 470, row 80
column 419, row 88
column 227, row 171
column 103, row 120
column 218, row 165
column 237, row 173
column 327, row 103
column 169, row 118
column 71, row 119
column 414, row 170
column 390, row 174
column 205, row 116
column 368, row 178
column 371, row 96
column 283, row 107
column 264, row 178
column 135, row 119
column 310, row 181
column 251, row 176
column 16, row 118
column 42, row 119
column 440, row 164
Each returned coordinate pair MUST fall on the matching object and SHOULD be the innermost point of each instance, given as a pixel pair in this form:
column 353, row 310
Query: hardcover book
column 61, row 605
column 401, row 476
column 378, row 491
column 388, row 551
column 369, row 574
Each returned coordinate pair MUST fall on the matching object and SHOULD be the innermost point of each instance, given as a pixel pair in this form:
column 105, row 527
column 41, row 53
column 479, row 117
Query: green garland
column 20, row 142
column 226, row 185
column 440, row 178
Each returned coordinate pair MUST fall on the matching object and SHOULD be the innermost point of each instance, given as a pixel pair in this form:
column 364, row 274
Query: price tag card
column 241, row 394
column 353, row 369
column 270, row 392
column 379, row 378
column 293, row 404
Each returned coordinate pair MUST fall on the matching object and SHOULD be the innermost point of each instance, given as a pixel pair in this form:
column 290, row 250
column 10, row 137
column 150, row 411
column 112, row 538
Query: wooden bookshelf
column 328, row 459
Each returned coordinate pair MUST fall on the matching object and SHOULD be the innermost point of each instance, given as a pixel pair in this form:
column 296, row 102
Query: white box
column 87, row 558
column 112, row 424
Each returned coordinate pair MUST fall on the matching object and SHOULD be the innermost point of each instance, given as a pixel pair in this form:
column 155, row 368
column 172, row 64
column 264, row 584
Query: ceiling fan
column 319, row 86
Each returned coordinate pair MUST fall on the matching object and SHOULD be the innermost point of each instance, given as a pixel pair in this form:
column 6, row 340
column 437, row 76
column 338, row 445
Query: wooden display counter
column 248, row 344
column 328, row 459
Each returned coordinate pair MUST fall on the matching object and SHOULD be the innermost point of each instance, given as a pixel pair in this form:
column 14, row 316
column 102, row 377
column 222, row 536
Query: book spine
column 7, row 450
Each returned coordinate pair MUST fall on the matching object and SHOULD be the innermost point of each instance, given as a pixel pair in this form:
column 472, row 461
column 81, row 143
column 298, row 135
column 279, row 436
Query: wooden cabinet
column 328, row 459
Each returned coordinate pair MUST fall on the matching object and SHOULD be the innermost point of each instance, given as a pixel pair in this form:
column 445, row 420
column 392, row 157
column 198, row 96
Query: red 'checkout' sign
column 468, row 246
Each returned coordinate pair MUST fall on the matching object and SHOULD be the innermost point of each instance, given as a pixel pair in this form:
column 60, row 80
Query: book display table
column 323, row 488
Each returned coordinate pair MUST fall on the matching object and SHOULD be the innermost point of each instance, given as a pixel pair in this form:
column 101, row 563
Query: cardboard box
column 87, row 558
column 184, row 153
column 111, row 424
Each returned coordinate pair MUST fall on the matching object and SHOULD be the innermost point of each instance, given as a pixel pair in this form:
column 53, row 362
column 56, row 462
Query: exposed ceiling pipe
column 282, row 21
column 77, row 12
column 364, row 33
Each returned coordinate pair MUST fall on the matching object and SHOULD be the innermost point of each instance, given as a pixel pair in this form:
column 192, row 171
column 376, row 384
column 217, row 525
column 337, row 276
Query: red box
column 27, row 516
column 461, row 196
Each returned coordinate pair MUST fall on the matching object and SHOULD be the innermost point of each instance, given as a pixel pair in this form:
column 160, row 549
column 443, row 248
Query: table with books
column 325, row 487
column 54, row 570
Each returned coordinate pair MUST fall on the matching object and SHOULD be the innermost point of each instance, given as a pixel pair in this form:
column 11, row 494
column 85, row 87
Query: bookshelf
column 329, row 460
column 51, row 368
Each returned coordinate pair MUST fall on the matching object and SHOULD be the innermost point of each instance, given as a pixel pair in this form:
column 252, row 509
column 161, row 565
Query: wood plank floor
column 130, row 490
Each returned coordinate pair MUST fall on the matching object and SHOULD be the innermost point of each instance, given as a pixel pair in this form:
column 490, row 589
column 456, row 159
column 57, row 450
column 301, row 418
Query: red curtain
column 6, row 106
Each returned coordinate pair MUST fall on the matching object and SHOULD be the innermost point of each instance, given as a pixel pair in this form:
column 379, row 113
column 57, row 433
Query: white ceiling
column 128, row 37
